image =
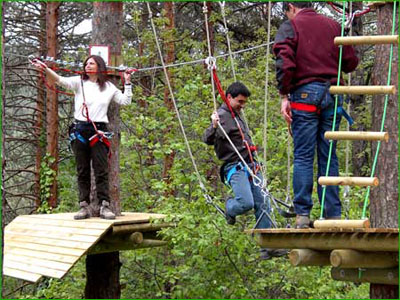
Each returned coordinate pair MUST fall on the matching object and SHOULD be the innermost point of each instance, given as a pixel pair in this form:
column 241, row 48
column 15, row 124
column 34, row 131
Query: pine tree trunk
column 40, row 107
column 52, row 98
column 360, row 155
column 102, row 270
column 384, row 198
column 102, row 275
column 170, row 49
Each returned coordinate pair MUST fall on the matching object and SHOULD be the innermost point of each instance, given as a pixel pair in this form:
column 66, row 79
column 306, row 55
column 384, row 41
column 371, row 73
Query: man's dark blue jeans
column 308, row 133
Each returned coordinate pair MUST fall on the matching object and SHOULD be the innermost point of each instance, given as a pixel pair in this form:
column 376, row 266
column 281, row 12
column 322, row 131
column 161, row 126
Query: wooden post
column 308, row 257
column 104, row 247
column 381, row 276
column 124, row 229
column 357, row 259
column 341, row 223
column 358, row 181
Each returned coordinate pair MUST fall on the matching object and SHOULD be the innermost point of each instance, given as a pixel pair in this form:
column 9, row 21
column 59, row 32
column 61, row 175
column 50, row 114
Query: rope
column 198, row 61
column 266, row 94
column 334, row 117
column 384, row 113
column 228, row 40
column 201, row 184
column 346, row 188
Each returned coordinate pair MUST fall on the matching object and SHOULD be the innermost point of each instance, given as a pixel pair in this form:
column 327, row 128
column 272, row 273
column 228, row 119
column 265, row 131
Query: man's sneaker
column 302, row 222
column 105, row 211
column 84, row 212
column 230, row 220
column 266, row 253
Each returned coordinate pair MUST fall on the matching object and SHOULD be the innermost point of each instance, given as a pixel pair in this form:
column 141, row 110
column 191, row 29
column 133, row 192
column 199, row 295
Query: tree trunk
column 360, row 157
column 40, row 98
column 170, row 49
column 3, row 158
column 384, row 198
column 102, row 270
column 52, row 98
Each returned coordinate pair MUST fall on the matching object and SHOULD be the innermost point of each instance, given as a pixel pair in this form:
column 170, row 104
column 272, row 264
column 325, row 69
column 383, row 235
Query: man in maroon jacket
column 306, row 65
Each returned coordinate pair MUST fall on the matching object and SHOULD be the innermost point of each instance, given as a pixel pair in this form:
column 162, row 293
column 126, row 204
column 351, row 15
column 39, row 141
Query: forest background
column 205, row 258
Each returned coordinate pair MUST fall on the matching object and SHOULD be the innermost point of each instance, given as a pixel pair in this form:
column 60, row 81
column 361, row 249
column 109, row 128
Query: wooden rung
column 308, row 257
column 366, row 40
column 363, row 89
column 357, row 181
column 347, row 258
column 357, row 136
column 330, row 223
column 382, row 276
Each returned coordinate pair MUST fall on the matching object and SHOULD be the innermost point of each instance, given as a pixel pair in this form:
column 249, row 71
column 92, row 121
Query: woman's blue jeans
column 308, row 130
column 247, row 197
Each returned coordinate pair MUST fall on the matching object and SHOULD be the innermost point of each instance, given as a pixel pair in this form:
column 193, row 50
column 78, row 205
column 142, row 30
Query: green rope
column 383, row 116
column 334, row 115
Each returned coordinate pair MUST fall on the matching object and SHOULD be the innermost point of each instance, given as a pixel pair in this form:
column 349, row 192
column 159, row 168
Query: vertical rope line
column 384, row 114
column 173, row 100
column 205, row 11
column 265, row 169
column 228, row 40
column 335, row 113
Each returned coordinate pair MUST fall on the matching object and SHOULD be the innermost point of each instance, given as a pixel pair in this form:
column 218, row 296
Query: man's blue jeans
column 308, row 130
column 247, row 197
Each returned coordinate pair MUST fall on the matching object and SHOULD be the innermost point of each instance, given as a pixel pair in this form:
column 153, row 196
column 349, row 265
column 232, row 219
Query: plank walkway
column 50, row 245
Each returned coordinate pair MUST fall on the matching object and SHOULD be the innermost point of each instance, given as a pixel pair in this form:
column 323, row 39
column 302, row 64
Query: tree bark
column 102, row 270
column 170, row 49
column 102, row 275
column 384, row 198
column 360, row 157
column 52, row 97
column 40, row 98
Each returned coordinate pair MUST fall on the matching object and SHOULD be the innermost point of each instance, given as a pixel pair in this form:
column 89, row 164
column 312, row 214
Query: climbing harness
column 207, row 197
column 261, row 183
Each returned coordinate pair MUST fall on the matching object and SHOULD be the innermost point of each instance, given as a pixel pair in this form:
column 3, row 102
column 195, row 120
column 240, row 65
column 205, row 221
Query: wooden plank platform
column 363, row 239
column 50, row 245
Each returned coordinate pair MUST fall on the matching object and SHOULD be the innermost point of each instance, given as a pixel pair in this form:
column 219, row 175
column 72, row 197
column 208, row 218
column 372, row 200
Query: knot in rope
column 211, row 63
column 205, row 9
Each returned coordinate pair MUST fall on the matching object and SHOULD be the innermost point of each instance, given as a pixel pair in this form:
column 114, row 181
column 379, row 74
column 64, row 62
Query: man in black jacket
column 248, row 195
column 307, row 62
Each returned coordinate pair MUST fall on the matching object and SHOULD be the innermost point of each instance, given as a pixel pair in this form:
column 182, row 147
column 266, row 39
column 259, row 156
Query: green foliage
column 47, row 177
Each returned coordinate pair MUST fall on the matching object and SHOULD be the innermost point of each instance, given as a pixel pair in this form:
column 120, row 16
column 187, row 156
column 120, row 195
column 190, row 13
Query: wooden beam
column 306, row 239
column 145, row 227
column 357, row 135
column 346, row 258
column 363, row 90
column 366, row 40
column 354, row 181
column 135, row 238
column 381, row 276
column 341, row 223
column 308, row 257
column 104, row 247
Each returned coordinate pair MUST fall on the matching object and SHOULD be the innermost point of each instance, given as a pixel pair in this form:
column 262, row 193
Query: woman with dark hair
column 88, row 133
